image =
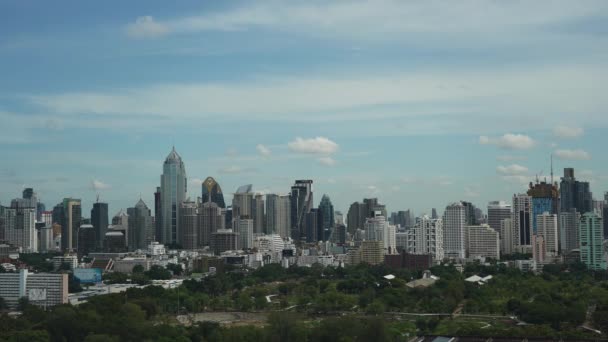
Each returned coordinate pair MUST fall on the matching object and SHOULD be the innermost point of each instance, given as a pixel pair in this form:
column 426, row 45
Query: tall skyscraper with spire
column 173, row 188
column 212, row 192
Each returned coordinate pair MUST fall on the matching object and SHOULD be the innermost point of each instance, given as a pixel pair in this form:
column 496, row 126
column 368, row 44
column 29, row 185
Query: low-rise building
column 42, row 289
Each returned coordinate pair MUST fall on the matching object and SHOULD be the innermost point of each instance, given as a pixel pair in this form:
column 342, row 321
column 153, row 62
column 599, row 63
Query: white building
column 278, row 214
column 539, row 248
column 20, row 228
column 547, row 228
column 155, row 249
column 378, row 229
column 482, row 241
column 273, row 243
column 43, row 289
column 70, row 260
column 454, row 221
column 426, row 237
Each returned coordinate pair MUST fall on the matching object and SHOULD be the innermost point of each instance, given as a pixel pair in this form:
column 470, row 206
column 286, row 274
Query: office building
column 569, row 230
column 278, row 214
column 120, row 222
column 212, row 192
column 189, row 225
column 41, row 289
column 539, row 249
column 482, row 242
column 87, row 240
column 141, row 226
column 158, row 215
column 311, row 226
column 245, row 230
column 470, row 213
column 545, row 198
column 173, row 189
column 521, row 219
column 100, row 221
column 498, row 211
column 115, row 241
column 327, row 224
column 20, row 228
column 547, row 228
column 242, row 203
column 224, row 240
column 427, row 237
column 46, row 242
column 507, row 238
column 591, row 237
column 258, row 214
column 378, row 229
column 358, row 213
column 211, row 219
column 455, row 218
column 69, row 214
column 371, row 252
column 574, row 194
column 301, row 204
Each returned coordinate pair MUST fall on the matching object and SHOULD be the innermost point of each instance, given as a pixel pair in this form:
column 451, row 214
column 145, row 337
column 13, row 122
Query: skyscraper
column 574, row 194
column 507, row 241
column 568, row 230
column 482, row 241
column 301, row 204
column 454, row 220
column 20, row 228
column 100, row 221
column 87, row 239
column 326, row 210
column 141, row 226
column 470, row 213
column 311, row 226
column 189, row 225
column 71, row 215
column 211, row 219
column 259, row 217
column 173, row 188
column 359, row 212
column 591, row 239
column 498, row 211
column 242, row 203
column 245, row 230
column 427, row 237
column 545, row 198
column 158, row 216
column 212, row 192
column 278, row 215
column 377, row 228
column 547, row 228
column 521, row 219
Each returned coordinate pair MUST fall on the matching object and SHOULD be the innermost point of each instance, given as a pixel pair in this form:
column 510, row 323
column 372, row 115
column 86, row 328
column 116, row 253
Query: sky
column 418, row 103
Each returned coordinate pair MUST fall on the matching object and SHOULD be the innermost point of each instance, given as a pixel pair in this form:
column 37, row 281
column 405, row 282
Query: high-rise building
column 211, row 219
column 224, row 240
column 482, row 241
column 605, row 219
column 434, row 214
column 507, row 239
column 454, row 220
column 20, row 228
column 87, row 240
column 521, row 219
column 120, row 223
column 242, row 202
column 338, row 218
column 301, row 204
column 574, row 194
column 327, row 223
column 377, row 228
column 141, row 226
column 173, row 188
column 547, row 228
column 353, row 217
column 71, row 216
column 259, row 216
column 539, row 249
column 470, row 213
column 427, row 237
column 278, row 215
column 311, row 226
column 212, row 192
column 189, row 225
column 569, row 226
column 100, row 221
column 591, row 237
column 358, row 213
column 245, row 230
column 158, row 215
column 498, row 211
column 545, row 198
column 371, row 252
column 29, row 200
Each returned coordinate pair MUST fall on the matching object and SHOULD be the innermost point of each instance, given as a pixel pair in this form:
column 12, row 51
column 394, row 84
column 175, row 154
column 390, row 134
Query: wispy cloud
column 263, row 150
column 327, row 161
column 146, row 27
column 513, row 169
column 567, row 132
column 97, row 185
column 572, row 154
column 318, row 145
column 509, row 141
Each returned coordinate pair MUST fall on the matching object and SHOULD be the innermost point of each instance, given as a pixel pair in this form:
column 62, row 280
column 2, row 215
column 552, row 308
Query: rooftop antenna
column 97, row 198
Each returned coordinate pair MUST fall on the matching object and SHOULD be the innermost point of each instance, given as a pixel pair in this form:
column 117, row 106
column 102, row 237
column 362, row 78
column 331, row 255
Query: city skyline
column 467, row 104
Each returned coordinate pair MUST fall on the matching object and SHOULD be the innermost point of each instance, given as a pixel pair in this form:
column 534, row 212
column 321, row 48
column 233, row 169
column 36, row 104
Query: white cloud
column 517, row 179
column 99, row 185
column 566, row 132
column 509, row 141
column 513, row 169
column 146, row 27
column 572, row 154
column 326, row 161
column 263, row 150
column 318, row 145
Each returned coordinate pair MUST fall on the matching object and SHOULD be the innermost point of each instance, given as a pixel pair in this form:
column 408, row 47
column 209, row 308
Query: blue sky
column 418, row 103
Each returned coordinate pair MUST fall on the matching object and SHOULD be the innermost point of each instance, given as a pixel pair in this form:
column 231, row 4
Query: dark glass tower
column 301, row 204
column 212, row 192
column 574, row 194
column 100, row 220
column 327, row 224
